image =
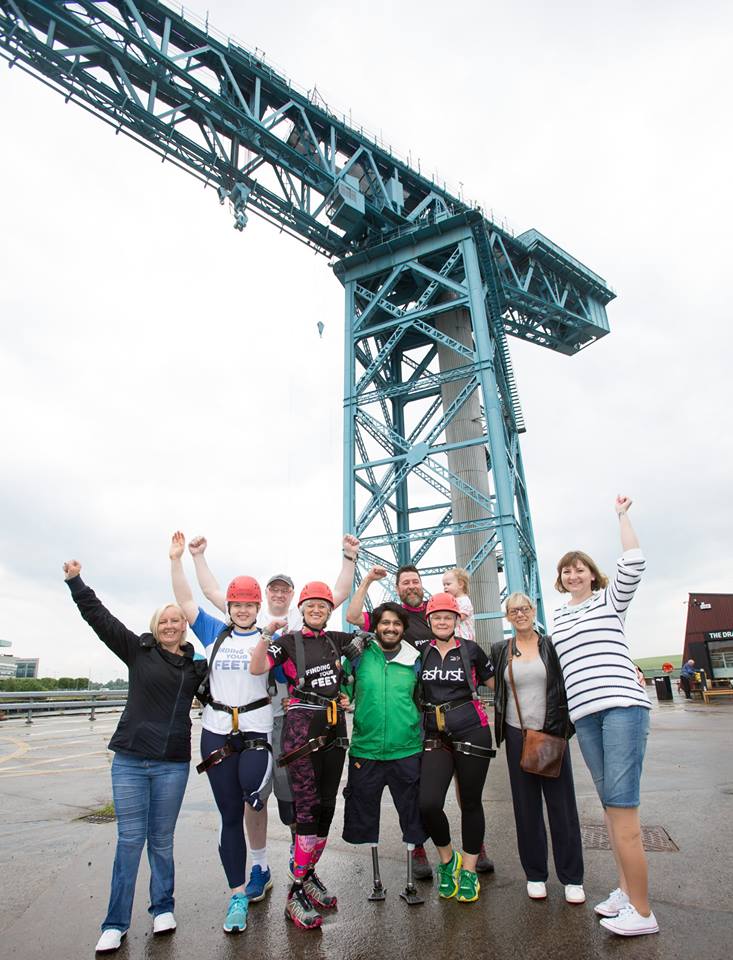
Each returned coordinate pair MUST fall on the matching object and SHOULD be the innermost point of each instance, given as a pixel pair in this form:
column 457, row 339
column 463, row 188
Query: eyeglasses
column 515, row 610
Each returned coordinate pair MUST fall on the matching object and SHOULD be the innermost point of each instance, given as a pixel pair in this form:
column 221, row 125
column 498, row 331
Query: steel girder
column 395, row 422
column 409, row 252
column 207, row 104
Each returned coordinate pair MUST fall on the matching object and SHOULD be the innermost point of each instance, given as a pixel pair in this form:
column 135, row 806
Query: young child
column 456, row 582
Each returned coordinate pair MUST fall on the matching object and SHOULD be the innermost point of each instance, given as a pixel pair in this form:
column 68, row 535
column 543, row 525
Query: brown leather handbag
column 542, row 753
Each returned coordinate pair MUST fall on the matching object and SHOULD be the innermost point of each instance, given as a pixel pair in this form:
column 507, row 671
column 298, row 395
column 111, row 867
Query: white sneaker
column 612, row 904
column 110, row 941
column 574, row 893
column 630, row 923
column 164, row 923
column 536, row 890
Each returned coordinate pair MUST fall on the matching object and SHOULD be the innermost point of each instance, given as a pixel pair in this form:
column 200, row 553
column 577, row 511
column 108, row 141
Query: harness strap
column 459, row 746
column 324, row 742
column 243, row 708
column 331, row 706
column 473, row 749
column 440, row 709
column 216, row 756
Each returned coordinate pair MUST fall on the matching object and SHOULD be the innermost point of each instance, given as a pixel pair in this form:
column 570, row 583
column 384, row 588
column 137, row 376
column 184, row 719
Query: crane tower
column 433, row 287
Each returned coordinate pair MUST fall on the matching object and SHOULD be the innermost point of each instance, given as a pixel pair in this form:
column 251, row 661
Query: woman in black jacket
column 152, row 747
column 543, row 705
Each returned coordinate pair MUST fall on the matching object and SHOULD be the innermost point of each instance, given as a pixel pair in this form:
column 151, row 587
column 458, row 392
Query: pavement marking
column 74, row 756
column 60, row 743
column 49, row 773
column 22, row 748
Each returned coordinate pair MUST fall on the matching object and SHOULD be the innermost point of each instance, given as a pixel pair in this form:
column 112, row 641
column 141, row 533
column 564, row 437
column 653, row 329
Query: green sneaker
column 468, row 887
column 448, row 876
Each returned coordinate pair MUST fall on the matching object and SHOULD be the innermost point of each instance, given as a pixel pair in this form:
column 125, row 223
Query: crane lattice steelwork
column 433, row 287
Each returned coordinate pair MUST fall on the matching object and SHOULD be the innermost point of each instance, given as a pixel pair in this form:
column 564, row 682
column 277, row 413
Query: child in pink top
column 456, row 583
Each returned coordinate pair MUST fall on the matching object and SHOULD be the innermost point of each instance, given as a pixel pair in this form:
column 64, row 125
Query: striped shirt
column 590, row 642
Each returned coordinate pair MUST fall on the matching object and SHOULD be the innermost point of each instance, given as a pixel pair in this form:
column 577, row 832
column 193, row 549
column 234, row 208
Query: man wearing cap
column 276, row 610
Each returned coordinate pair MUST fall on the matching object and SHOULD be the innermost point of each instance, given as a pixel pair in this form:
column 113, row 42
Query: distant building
column 709, row 633
column 17, row 666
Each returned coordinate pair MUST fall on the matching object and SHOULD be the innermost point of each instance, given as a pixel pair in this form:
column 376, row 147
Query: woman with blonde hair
column 530, row 695
column 610, row 710
column 152, row 752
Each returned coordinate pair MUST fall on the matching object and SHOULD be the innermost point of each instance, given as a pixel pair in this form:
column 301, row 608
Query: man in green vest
column 387, row 740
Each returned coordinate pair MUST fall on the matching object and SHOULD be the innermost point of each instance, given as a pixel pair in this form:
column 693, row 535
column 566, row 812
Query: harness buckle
column 440, row 717
column 332, row 713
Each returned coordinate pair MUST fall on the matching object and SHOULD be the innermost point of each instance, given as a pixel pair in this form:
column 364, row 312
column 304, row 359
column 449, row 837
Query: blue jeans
column 147, row 797
column 613, row 743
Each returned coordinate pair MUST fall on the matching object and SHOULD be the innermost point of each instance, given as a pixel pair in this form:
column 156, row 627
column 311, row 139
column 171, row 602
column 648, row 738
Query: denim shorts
column 613, row 743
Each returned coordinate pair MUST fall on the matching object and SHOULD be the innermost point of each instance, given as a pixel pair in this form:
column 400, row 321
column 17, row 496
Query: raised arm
column 207, row 581
column 345, row 579
column 355, row 609
column 259, row 661
column 181, row 589
column 629, row 539
column 111, row 631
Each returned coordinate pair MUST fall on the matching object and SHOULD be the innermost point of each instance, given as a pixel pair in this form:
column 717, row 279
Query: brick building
column 709, row 633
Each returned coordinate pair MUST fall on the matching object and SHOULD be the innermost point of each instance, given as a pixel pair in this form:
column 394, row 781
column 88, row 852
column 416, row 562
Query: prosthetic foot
column 410, row 894
column 378, row 891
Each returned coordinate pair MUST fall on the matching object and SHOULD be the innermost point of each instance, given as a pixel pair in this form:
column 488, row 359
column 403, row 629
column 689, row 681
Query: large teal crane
column 433, row 287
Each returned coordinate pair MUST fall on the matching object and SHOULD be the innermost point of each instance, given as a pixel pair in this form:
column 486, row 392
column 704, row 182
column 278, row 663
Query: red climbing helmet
column 315, row 590
column 442, row 603
column 244, row 590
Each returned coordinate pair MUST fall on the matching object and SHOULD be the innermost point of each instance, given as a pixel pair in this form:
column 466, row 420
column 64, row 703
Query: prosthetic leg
column 378, row 891
column 410, row 894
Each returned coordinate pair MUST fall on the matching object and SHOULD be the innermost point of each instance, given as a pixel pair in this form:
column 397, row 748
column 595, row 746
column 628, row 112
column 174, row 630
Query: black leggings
column 235, row 781
column 438, row 767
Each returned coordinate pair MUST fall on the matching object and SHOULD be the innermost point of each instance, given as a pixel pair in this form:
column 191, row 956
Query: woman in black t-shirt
column 314, row 738
column 457, row 741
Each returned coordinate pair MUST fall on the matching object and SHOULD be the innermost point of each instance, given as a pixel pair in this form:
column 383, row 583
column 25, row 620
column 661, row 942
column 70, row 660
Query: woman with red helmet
column 314, row 738
column 237, row 719
column 457, row 742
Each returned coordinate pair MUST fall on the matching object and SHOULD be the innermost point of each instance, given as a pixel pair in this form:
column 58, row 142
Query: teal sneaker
column 448, row 876
column 236, row 918
column 260, row 881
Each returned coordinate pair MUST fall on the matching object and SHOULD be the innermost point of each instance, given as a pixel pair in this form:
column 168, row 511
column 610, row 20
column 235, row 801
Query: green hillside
column 654, row 664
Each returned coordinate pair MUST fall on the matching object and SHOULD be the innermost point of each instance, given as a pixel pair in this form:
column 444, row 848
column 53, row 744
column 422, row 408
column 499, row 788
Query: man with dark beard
column 410, row 590
column 386, row 744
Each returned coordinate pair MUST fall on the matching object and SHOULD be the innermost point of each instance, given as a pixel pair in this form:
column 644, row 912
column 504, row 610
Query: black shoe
column 483, row 864
column 421, row 869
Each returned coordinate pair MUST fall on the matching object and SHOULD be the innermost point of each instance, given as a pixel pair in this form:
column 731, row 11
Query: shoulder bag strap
column 510, row 653
column 467, row 668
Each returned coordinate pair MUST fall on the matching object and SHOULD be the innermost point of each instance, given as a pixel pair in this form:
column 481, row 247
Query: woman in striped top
column 610, row 711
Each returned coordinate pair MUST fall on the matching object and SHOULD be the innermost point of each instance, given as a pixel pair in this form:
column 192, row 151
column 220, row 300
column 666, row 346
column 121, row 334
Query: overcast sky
column 160, row 370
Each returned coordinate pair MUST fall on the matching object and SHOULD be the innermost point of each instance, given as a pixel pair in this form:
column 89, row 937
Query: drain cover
column 653, row 839
column 99, row 818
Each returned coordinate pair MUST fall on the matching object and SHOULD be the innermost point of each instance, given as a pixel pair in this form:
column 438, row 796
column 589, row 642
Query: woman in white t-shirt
column 236, row 723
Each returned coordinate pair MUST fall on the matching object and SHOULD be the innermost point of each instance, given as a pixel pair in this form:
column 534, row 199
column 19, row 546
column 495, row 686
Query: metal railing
column 58, row 701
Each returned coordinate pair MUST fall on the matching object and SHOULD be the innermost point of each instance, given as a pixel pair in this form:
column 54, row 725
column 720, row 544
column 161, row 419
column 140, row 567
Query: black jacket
column 156, row 722
column 557, row 720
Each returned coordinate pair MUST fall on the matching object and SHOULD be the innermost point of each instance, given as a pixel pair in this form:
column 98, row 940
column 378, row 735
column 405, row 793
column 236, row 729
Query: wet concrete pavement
column 56, row 868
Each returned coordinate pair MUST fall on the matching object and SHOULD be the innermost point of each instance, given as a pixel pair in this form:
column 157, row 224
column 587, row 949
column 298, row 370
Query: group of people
column 274, row 686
